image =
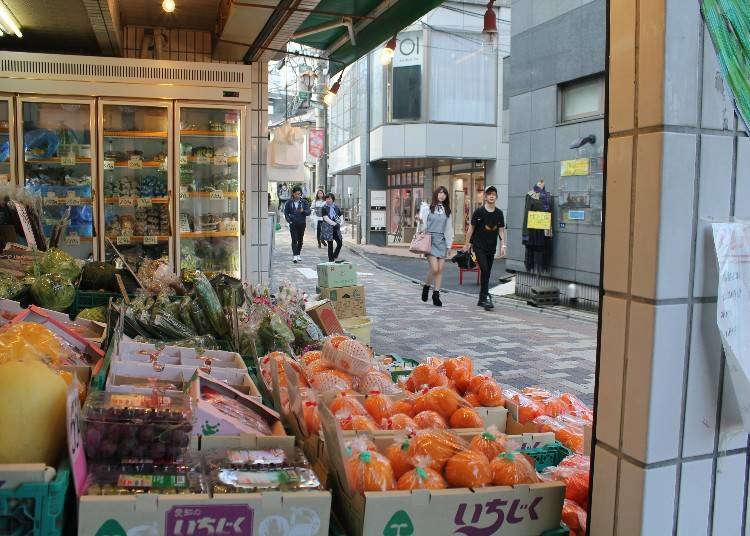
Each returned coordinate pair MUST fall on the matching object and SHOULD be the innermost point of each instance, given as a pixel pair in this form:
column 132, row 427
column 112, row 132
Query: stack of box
column 338, row 282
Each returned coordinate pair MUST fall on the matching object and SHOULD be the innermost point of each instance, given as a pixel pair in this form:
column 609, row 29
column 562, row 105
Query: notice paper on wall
column 732, row 241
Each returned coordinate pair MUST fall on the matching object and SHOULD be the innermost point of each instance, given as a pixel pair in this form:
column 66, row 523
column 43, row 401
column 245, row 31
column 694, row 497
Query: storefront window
column 394, row 216
column 377, row 98
column 407, row 208
column 405, row 78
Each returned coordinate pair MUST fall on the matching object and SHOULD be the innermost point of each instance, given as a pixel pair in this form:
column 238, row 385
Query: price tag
column 220, row 160
column 68, row 159
column 72, row 239
column 150, row 240
column 125, row 201
column 232, row 226
column 123, row 240
column 72, row 199
column 183, row 159
column 144, row 202
column 216, row 194
column 183, row 193
column 75, row 441
column 109, row 164
column 163, row 166
column 135, row 162
column 202, row 159
column 51, row 198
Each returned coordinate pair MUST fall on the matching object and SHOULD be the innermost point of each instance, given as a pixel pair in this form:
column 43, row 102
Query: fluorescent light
column 9, row 21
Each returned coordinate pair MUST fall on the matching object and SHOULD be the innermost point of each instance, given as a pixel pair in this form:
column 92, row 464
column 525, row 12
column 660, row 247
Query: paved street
column 519, row 344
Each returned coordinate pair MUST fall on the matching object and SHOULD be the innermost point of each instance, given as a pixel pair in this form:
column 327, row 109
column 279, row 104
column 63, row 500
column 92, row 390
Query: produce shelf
column 211, row 234
column 137, row 239
column 135, row 134
column 154, row 200
column 208, row 133
column 57, row 160
column 146, row 164
column 230, row 160
column 207, row 195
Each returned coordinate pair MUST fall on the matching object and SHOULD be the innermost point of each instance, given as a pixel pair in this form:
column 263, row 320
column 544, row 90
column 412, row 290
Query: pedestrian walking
column 435, row 218
column 296, row 212
column 317, row 214
column 487, row 224
column 330, row 230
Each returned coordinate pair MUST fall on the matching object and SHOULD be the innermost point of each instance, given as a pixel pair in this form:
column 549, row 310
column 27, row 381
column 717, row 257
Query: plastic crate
column 36, row 508
column 406, row 363
column 562, row 531
column 86, row 299
column 548, row 455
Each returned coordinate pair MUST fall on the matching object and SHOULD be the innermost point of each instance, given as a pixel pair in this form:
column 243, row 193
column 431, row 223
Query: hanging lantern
column 388, row 51
column 490, row 19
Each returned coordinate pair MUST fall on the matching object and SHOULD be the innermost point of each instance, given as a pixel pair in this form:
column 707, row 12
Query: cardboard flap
column 146, row 503
column 275, row 386
column 421, row 497
column 296, row 411
column 334, row 446
column 272, row 501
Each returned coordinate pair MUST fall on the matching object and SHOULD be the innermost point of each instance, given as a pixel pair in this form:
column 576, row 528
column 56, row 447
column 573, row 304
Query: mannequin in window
column 537, row 234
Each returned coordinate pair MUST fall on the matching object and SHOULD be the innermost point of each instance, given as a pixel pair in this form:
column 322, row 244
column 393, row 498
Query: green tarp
column 728, row 23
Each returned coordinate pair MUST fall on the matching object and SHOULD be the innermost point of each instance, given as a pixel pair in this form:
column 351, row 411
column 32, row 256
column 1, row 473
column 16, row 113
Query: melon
column 32, row 413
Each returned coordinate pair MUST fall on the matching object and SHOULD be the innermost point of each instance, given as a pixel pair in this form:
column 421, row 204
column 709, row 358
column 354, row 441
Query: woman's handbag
column 421, row 243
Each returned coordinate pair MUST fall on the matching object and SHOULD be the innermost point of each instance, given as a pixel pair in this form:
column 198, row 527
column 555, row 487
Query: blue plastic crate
column 36, row 508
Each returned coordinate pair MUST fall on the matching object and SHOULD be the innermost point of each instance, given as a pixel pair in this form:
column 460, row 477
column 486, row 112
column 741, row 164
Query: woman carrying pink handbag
column 436, row 223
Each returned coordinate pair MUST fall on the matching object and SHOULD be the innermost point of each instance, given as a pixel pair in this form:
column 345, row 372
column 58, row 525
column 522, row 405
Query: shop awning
column 374, row 22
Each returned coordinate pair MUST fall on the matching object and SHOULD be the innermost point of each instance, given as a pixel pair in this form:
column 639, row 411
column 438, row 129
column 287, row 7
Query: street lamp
column 307, row 79
column 330, row 95
column 388, row 51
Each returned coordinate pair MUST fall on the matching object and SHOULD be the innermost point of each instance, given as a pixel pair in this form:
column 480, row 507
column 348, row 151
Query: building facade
column 554, row 95
column 431, row 117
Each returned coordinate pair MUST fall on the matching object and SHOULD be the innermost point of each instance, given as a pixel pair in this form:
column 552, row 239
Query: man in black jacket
column 296, row 212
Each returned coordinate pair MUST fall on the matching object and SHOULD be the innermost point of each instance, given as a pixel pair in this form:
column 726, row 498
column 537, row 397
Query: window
column 405, row 78
column 582, row 99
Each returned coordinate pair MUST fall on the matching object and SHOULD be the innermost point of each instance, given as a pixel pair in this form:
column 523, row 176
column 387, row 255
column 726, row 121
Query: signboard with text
column 315, row 142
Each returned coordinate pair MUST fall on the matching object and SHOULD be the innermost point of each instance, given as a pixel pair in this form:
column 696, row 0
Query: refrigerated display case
column 56, row 148
column 134, row 166
column 7, row 149
column 211, row 200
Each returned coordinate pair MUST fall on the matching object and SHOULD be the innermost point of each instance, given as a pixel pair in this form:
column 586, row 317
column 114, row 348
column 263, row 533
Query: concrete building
column 554, row 94
column 432, row 117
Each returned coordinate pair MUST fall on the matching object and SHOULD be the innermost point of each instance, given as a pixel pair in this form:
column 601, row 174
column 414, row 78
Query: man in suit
column 296, row 212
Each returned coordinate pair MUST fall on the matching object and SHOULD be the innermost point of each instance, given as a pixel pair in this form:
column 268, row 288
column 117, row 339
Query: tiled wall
column 670, row 457
column 257, row 235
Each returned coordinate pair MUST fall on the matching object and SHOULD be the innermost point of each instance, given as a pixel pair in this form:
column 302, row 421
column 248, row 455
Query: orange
column 444, row 400
column 404, row 406
column 473, row 399
column 423, row 374
column 399, row 421
column 358, row 422
column 438, row 445
column 509, row 469
column 421, row 478
column 451, row 365
column 461, row 379
column 468, row 469
column 428, row 420
column 310, row 357
column 465, row 418
column 378, row 406
column 312, row 416
column 370, row 471
column 488, row 444
column 346, row 403
column 398, row 455
column 490, row 395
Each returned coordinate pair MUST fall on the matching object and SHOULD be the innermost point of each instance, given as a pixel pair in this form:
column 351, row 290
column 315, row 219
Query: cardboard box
column 587, row 435
column 337, row 274
column 521, row 510
column 175, row 355
column 262, row 513
column 513, row 426
column 348, row 302
column 324, row 315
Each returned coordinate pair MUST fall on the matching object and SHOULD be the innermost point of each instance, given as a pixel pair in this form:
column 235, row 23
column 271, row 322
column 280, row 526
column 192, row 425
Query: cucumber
column 210, row 304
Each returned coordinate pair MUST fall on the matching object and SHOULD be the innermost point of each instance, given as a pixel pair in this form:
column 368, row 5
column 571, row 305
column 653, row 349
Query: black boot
column 482, row 300
column 425, row 292
column 488, row 305
column 436, row 298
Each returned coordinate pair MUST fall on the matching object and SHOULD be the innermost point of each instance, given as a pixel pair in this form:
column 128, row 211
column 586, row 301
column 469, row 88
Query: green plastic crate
column 86, row 299
column 406, row 362
column 548, row 455
column 562, row 531
column 36, row 508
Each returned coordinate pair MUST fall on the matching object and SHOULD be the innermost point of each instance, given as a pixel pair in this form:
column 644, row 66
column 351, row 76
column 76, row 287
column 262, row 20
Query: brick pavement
column 520, row 346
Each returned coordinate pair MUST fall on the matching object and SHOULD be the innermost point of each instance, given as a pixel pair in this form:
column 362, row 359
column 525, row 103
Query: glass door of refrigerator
column 136, row 186
column 210, row 198
column 58, row 168
column 7, row 154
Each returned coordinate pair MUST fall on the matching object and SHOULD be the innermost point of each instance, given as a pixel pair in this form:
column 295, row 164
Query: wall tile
column 732, row 434
column 565, row 250
column 617, row 245
column 589, row 254
column 703, row 382
column 611, row 365
column 543, row 145
column 519, row 181
column 442, row 140
column 646, row 500
column 602, row 517
column 713, row 204
column 695, row 496
column 564, row 138
column 520, row 113
column 520, row 149
column 544, row 108
column 478, row 142
column 415, row 139
column 652, row 396
column 728, row 495
column 742, row 186
column 682, row 60
column 621, row 64
column 651, row 63
column 717, row 108
column 521, row 16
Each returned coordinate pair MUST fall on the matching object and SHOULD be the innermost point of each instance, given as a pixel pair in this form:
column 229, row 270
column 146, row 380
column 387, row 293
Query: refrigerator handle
column 242, row 212
column 169, row 212
column 94, row 206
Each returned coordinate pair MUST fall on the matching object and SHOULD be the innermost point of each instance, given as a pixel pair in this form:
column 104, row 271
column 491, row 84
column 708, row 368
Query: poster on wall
column 378, row 199
column 577, row 167
column 377, row 220
column 315, row 141
column 732, row 242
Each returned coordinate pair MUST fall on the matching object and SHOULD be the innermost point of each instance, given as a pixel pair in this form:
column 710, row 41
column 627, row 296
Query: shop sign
column 378, row 199
column 578, row 167
column 539, row 220
column 732, row 242
column 315, row 141
column 377, row 220
column 202, row 520
column 409, row 49
column 576, row 214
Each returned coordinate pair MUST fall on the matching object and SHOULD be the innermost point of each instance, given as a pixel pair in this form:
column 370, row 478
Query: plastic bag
column 28, row 340
column 490, row 443
column 576, row 480
column 331, row 380
column 311, row 416
column 438, row 445
column 398, row 454
column 468, row 469
column 345, row 402
column 10, row 286
column 465, row 418
column 528, row 410
column 430, row 420
column 399, row 421
column 568, row 430
column 577, row 408
column 361, row 423
column 425, row 376
column 550, row 404
column 97, row 314
column 511, row 468
column 267, row 372
column 442, row 400
column 403, row 405
column 53, row 291
column 370, row 471
column 378, row 406
column 454, row 364
column 376, row 380
column 348, row 355
column 575, row 518
column 310, row 357
column 421, row 477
